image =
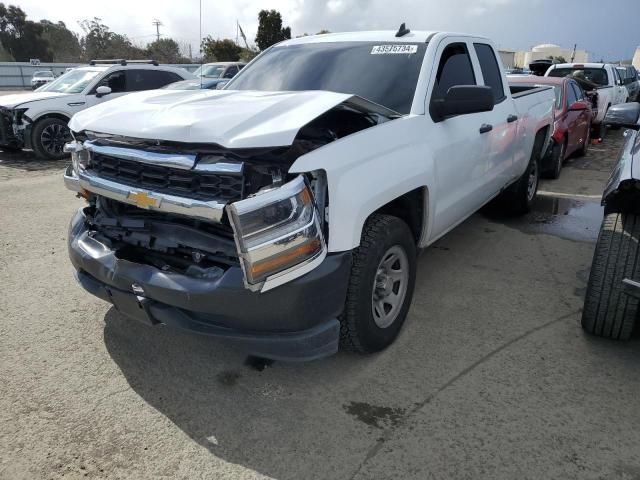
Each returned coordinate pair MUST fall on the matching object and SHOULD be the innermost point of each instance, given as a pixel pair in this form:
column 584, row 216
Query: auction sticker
column 391, row 49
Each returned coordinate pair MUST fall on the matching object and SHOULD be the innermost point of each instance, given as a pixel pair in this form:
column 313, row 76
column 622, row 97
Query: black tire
column 48, row 138
column 585, row 146
column 359, row 331
column 518, row 199
column 557, row 159
column 608, row 312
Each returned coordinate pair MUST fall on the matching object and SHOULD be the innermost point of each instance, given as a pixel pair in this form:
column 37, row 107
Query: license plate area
column 132, row 306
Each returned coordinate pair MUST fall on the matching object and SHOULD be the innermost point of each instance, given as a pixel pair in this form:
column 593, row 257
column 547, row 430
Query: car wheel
column 608, row 311
column 557, row 159
column 49, row 137
column 383, row 273
column 519, row 197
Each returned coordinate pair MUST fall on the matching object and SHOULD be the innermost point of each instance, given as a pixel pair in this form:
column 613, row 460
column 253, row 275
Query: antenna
column 157, row 23
column 402, row 31
column 573, row 54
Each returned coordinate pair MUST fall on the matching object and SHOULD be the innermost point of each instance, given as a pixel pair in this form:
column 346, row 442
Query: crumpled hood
column 233, row 119
column 15, row 100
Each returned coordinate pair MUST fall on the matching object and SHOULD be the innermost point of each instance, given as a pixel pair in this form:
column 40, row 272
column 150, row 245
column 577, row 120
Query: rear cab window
column 490, row 71
column 597, row 76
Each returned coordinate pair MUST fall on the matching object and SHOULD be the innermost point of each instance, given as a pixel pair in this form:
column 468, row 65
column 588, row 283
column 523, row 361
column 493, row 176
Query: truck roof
column 578, row 64
column 370, row 36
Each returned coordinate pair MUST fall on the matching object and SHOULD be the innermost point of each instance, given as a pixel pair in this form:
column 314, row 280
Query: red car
column 572, row 127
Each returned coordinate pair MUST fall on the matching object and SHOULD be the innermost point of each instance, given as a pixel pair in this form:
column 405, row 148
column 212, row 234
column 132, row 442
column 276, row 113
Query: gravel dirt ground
column 491, row 378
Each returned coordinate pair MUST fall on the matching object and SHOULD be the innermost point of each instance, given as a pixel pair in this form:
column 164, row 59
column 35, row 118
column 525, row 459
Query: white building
column 546, row 50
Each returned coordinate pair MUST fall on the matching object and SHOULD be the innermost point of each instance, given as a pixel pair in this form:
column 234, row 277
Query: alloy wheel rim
column 390, row 286
column 53, row 138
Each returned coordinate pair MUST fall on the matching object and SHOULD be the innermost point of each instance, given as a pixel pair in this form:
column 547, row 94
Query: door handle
column 512, row 118
column 485, row 127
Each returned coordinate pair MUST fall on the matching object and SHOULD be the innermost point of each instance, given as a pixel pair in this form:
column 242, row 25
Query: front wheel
column 49, row 137
column 383, row 274
column 608, row 311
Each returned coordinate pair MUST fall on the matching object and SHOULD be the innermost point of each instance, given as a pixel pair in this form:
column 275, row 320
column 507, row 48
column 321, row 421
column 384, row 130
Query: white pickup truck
column 285, row 211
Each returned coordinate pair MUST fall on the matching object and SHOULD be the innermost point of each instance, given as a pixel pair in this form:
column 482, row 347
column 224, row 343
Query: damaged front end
column 199, row 213
column 151, row 200
column 13, row 126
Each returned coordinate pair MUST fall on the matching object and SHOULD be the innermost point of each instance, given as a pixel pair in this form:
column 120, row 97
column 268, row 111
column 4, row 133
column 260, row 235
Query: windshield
column 375, row 71
column 74, row 81
column 557, row 90
column 594, row 75
column 43, row 74
column 213, row 70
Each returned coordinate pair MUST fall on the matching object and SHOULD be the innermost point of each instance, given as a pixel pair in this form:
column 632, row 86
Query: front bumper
column 296, row 321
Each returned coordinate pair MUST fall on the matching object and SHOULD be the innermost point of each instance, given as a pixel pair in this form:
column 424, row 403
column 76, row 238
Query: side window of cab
column 454, row 68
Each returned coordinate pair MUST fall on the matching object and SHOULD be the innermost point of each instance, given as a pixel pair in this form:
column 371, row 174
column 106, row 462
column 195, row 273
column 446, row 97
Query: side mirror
column 102, row 90
column 578, row 106
column 623, row 115
column 462, row 100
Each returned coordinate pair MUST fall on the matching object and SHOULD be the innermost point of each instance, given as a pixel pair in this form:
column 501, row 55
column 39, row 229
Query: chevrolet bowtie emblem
column 143, row 200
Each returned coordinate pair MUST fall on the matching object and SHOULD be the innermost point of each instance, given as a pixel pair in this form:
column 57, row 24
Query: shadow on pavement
column 268, row 421
column 26, row 161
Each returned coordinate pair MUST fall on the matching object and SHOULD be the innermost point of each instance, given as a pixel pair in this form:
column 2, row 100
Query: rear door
column 583, row 121
column 503, row 120
column 572, row 117
column 459, row 150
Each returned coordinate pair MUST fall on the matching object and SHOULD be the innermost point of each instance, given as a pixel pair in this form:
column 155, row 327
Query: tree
column 323, row 31
column 63, row 43
column 270, row 29
column 100, row 42
column 165, row 50
column 224, row 50
column 20, row 37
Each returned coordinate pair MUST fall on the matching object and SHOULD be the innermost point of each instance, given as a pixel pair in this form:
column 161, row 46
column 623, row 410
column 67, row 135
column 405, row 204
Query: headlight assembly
column 79, row 156
column 278, row 234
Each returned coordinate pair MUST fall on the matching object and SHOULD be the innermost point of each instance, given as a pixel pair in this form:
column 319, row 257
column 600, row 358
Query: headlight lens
column 277, row 231
column 79, row 156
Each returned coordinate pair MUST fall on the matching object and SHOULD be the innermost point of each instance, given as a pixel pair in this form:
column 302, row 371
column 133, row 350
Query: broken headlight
column 277, row 233
column 79, row 156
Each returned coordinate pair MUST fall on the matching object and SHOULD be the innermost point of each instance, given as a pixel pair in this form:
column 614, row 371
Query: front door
column 459, row 149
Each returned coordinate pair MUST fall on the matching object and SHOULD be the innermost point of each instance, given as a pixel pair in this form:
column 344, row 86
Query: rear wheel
column 587, row 141
column 49, row 137
column 608, row 311
column 557, row 158
column 519, row 197
column 380, row 286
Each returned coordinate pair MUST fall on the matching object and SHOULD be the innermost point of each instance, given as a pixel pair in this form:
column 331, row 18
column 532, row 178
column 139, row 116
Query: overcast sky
column 605, row 28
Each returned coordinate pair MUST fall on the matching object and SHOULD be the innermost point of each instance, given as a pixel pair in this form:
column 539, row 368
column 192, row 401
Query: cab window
column 490, row 71
column 455, row 68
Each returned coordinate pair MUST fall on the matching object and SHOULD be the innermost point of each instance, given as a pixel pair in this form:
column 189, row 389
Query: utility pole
column 157, row 23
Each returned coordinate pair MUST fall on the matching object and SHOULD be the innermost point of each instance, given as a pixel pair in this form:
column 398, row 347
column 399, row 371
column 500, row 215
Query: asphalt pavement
column 491, row 377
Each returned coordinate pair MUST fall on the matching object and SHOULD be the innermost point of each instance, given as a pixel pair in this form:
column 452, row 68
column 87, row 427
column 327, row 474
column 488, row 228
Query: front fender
column 622, row 193
column 367, row 170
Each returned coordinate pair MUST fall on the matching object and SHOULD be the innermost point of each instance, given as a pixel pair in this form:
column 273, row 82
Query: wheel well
column 59, row 116
column 538, row 143
column 410, row 208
